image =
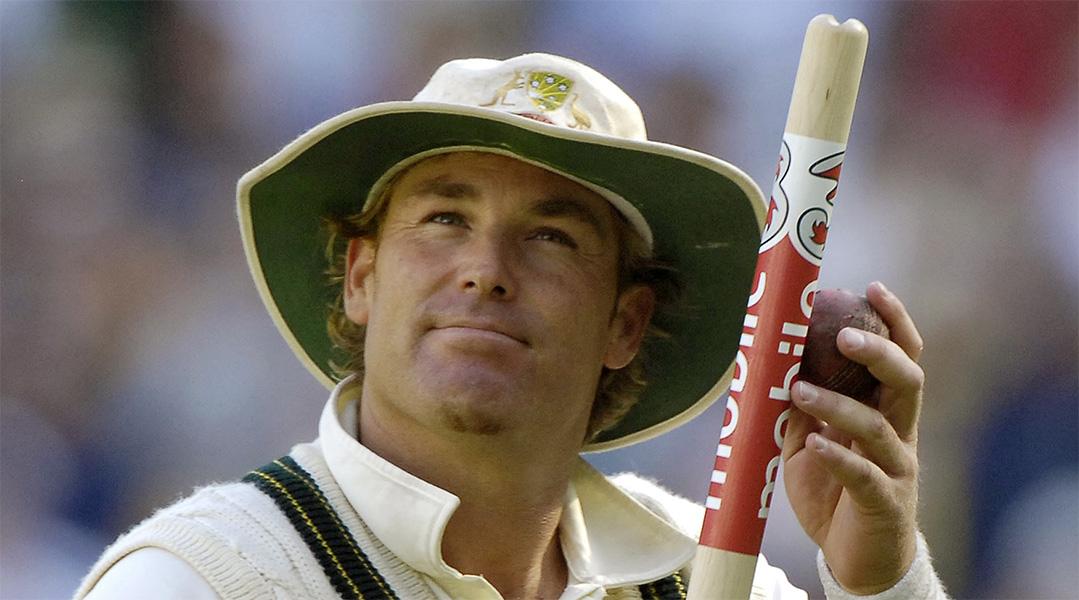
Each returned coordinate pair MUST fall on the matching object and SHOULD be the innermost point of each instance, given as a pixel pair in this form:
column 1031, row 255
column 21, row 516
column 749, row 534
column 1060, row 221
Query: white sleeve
column 770, row 583
column 152, row 573
column 919, row 583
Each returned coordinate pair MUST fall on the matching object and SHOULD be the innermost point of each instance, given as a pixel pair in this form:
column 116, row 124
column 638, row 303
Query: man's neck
column 506, row 527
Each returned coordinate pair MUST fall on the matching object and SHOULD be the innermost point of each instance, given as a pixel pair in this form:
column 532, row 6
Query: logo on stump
column 778, row 205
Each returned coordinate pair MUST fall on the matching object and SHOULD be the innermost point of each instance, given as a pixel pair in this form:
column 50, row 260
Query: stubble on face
column 463, row 420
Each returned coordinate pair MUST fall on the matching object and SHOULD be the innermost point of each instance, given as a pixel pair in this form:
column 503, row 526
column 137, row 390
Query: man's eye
column 446, row 218
column 554, row 235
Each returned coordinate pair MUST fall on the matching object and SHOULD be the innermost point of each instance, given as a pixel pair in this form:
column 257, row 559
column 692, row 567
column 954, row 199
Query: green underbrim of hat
column 705, row 216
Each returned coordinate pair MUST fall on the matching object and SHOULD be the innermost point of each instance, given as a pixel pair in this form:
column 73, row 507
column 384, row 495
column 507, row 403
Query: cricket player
column 517, row 275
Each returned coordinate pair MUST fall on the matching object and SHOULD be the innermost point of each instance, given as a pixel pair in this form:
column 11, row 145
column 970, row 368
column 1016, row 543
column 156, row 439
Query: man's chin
column 467, row 420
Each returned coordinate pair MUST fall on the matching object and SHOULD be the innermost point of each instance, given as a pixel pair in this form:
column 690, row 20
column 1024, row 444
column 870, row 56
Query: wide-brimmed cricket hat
column 698, row 212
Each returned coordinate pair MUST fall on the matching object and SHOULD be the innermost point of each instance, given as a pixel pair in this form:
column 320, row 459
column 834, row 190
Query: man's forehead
column 448, row 176
column 463, row 162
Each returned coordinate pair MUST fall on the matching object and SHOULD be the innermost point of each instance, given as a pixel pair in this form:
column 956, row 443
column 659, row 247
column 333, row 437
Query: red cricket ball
column 822, row 363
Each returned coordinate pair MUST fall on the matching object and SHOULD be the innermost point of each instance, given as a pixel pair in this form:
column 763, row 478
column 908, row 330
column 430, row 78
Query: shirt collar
column 607, row 537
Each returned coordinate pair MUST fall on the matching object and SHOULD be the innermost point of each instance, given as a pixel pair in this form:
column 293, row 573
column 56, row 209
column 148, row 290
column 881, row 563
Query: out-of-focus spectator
column 1024, row 497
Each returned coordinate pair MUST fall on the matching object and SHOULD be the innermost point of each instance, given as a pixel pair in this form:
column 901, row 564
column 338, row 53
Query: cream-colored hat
column 697, row 211
column 543, row 87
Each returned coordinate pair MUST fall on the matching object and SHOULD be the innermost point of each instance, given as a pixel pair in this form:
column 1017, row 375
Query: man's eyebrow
column 568, row 206
column 446, row 187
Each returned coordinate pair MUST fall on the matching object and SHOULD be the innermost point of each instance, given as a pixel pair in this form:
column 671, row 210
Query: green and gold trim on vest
column 669, row 588
column 295, row 492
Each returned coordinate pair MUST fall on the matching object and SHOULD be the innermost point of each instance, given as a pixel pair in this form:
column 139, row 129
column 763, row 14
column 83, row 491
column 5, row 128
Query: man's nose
column 486, row 267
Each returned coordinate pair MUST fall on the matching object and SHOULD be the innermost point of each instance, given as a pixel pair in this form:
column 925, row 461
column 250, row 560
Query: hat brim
column 706, row 218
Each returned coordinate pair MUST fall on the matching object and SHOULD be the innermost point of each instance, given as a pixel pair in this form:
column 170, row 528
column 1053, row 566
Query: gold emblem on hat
column 547, row 91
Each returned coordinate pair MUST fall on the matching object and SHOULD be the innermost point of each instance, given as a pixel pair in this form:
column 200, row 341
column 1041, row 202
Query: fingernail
column 817, row 443
column 807, row 392
column 853, row 338
column 883, row 289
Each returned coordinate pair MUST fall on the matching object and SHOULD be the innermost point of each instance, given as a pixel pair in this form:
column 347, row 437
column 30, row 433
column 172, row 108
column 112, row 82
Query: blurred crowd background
column 137, row 360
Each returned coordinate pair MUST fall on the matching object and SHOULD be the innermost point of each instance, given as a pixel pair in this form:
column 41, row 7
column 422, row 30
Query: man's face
column 491, row 299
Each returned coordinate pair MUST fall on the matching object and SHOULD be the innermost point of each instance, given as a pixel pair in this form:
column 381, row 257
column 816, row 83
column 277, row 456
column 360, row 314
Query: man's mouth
column 483, row 328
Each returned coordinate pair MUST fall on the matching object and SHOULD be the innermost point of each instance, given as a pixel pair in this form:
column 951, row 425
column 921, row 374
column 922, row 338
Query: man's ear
column 359, row 271
column 634, row 312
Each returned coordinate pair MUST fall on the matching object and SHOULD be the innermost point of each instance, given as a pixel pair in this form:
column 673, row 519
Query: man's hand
column 851, row 470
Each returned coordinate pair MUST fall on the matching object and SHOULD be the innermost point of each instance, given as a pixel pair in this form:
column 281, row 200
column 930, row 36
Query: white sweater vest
column 244, row 546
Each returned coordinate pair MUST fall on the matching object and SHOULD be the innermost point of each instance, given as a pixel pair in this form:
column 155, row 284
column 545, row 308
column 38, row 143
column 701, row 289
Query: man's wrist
column 919, row 582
